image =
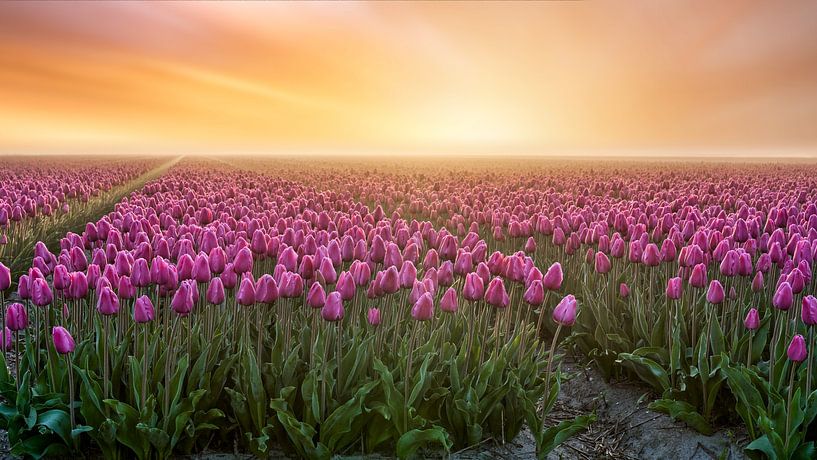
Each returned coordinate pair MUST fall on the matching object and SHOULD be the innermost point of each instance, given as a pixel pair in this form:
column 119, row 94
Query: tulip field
column 403, row 308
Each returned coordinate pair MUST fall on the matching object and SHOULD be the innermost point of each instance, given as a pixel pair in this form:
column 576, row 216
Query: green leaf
column 684, row 412
column 409, row 442
column 647, row 370
column 57, row 421
column 555, row 435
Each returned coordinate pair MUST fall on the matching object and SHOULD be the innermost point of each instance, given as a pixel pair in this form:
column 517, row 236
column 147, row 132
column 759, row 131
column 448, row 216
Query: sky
column 405, row 77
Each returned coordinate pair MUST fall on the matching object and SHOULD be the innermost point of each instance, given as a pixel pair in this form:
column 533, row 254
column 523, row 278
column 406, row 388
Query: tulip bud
column 752, row 321
column 346, row 286
column 674, row 288
column 6, row 342
column 246, row 292
column 316, row 298
column 41, row 293
column 496, row 294
column 783, row 297
column 143, row 311
column 535, row 294
column 565, row 311
column 552, row 281
column 757, row 282
column 373, row 316
column 63, row 341
column 698, row 277
column 390, row 283
column 797, row 351
column 449, row 302
column 5, row 277
column 16, row 317
column 809, row 310
column 623, row 290
column 423, row 309
column 715, row 294
column 333, row 308
column 215, row 291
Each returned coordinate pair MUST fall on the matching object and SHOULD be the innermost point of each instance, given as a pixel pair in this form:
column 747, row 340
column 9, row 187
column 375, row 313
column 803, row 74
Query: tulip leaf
column 684, row 412
column 412, row 440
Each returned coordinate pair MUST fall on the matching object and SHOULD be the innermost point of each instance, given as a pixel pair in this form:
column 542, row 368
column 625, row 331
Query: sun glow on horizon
column 406, row 77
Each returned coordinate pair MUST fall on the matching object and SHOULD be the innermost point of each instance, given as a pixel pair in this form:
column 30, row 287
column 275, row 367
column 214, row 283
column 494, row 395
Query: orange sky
column 407, row 77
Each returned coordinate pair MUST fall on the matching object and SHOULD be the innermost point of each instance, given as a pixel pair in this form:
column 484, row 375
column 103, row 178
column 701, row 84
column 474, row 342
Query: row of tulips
column 193, row 315
column 39, row 196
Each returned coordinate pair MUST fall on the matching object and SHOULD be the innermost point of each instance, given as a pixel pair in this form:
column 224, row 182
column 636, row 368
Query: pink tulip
column 423, row 309
column 108, row 302
column 752, row 321
column 715, row 294
column 797, row 351
column 215, row 291
column 333, row 308
column 809, row 310
column 316, row 298
column 783, row 296
column 373, row 316
column 449, row 302
column 63, row 342
column 565, row 311
column 16, row 317
column 623, row 290
column 143, row 311
column 552, row 281
column 496, row 294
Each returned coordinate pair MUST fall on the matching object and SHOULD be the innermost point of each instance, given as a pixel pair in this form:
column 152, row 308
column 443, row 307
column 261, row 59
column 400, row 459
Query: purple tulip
column 423, row 309
column 108, row 302
column 143, row 311
column 373, row 316
column 752, row 321
column 783, row 297
column 809, row 310
column 449, row 302
column 246, row 292
column 715, row 294
column 333, row 308
column 316, row 298
column 565, row 311
column 797, row 351
column 215, row 291
column 63, row 341
column 535, row 294
column 552, row 281
column 674, row 288
column 16, row 317
column 495, row 293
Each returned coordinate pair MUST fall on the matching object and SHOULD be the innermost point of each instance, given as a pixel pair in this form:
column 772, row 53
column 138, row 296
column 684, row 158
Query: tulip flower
column 809, row 310
column 473, row 289
column 535, row 294
column 423, row 309
column 495, row 293
column 565, row 312
column 697, row 278
column 390, row 283
column 41, row 295
column 143, row 311
column 623, row 290
column 602, row 263
column 63, row 342
column 552, row 281
column 333, row 308
column 5, row 277
column 108, row 302
column 752, row 323
column 783, row 296
column 674, row 288
column 6, row 343
column 242, row 263
column 373, row 316
column 316, row 298
column 215, row 291
column 715, row 294
column 16, row 317
column 246, row 292
column 449, row 301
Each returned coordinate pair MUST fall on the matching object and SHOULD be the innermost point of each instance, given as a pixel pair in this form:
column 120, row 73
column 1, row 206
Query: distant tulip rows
column 35, row 193
column 216, row 305
column 332, row 306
